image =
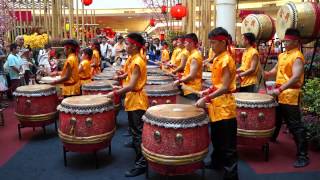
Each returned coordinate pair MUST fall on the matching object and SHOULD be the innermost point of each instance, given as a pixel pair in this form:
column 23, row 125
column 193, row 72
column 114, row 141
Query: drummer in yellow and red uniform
column 177, row 49
column 136, row 100
column 247, row 73
column 191, row 80
column 165, row 57
column 222, row 106
column 96, row 58
column 180, row 61
column 85, row 66
column 289, row 72
column 69, row 75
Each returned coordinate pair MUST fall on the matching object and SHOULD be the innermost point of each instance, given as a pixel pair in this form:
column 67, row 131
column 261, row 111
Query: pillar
column 226, row 15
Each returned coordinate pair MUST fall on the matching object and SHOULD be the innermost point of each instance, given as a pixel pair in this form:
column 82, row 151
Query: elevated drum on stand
column 261, row 25
column 175, row 138
column 256, row 118
column 159, row 80
column 162, row 94
column 86, row 124
column 30, row 108
column 302, row 16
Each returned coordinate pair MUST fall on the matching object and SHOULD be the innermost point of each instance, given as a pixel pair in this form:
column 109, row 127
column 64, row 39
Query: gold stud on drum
column 168, row 101
column 28, row 102
column 154, row 102
column 89, row 122
column 243, row 115
column 261, row 116
column 157, row 136
column 179, row 138
column 73, row 122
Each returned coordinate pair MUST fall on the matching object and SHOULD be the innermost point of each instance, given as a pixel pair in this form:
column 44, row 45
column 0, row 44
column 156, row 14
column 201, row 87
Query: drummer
column 192, row 75
column 164, row 55
column 136, row 101
column 69, row 75
column 247, row 73
column 181, row 58
column 222, row 106
column 96, row 57
column 176, row 51
column 289, row 72
column 85, row 67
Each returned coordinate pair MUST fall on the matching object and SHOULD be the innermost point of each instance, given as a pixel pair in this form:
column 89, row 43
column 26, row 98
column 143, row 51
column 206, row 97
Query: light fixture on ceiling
column 129, row 17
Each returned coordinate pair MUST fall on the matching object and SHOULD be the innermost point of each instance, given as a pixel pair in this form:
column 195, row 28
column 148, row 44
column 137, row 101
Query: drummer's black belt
column 69, row 84
column 85, row 78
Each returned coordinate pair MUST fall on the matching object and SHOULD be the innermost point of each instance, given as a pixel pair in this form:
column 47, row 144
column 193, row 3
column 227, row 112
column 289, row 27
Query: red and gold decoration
column 178, row 11
column 87, row 2
column 261, row 25
column 161, row 94
column 152, row 22
column 164, row 9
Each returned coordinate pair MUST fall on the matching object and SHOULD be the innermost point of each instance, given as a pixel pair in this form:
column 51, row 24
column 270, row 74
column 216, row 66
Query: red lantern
column 162, row 36
column 87, row 2
column 178, row 11
column 164, row 9
column 152, row 22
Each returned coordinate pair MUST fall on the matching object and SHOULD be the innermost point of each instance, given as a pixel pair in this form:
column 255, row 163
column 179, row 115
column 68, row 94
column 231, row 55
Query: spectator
column 43, row 59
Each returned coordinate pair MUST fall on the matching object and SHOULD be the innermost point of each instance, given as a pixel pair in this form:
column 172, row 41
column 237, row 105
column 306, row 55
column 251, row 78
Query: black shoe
column 210, row 165
column 129, row 144
column 136, row 171
column 301, row 162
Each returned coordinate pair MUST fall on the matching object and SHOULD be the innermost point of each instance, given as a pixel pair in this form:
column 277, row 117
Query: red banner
column 26, row 16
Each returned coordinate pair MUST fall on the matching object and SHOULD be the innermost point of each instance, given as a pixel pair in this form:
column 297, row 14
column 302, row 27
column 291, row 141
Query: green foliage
column 311, row 95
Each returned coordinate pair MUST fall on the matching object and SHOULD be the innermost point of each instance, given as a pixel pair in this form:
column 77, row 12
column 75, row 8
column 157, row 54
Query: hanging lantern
column 164, row 9
column 152, row 22
column 178, row 11
column 162, row 36
column 87, row 2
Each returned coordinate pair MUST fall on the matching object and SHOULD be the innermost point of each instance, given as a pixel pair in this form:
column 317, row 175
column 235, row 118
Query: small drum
column 104, row 76
column 206, row 75
column 159, row 80
column 36, row 105
column 207, row 84
column 256, row 118
column 86, row 123
column 101, row 87
column 175, row 138
column 162, row 94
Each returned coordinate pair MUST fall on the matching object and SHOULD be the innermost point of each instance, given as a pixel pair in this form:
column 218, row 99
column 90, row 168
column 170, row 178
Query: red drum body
column 159, row 80
column 175, row 138
column 162, row 94
column 86, row 123
column 36, row 105
column 256, row 118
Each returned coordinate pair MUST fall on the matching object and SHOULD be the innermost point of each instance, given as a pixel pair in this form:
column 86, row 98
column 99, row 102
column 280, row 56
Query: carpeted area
column 40, row 156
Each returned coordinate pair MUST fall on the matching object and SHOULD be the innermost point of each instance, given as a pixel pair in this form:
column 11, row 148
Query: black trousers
column 291, row 114
column 136, row 126
column 224, row 142
column 250, row 88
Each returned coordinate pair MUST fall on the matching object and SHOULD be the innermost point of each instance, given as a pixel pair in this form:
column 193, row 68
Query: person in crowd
column 136, row 100
column 26, row 64
column 119, row 47
column 157, row 45
column 3, row 79
column 191, row 80
column 85, row 66
column 20, row 42
column 43, row 59
column 247, row 73
column 96, row 57
column 13, row 66
column 70, row 74
column 105, row 49
column 222, row 107
column 289, row 73
column 165, row 58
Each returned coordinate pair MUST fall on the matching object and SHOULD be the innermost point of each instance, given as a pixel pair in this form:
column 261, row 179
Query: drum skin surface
column 86, row 123
column 162, row 94
column 261, row 25
column 255, row 118
column 30, row 108
column 175, row 138
column 159, row 80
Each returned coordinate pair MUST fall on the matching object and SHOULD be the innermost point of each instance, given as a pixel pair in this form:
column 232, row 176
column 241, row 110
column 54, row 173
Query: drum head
column 253, row 100
column 161, row 90
column 48, row 79
column 206, row 75
column 35, row 90
column 103, row 85
column 103, row 76
column 85, row 104
column 286, row 18
column 159, row 80
column 155, row 71
column 251, row 24
column 176, row 116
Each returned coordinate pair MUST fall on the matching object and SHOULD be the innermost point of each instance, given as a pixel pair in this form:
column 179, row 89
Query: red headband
column 180, row 39
column 132, row 41
column 189, row 40
column 291, row 37
column 220, row 38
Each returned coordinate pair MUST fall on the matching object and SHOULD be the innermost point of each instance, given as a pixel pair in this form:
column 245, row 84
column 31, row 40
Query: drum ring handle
column 243, row 115
column 168, row 101
column 89, row 122
column 261, row 116
column 28, row 102
column 73, row 122
column 157, row 136
column 154, row 102
column 179, row 138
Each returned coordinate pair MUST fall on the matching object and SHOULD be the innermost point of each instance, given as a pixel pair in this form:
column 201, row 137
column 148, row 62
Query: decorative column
column 226, row 15
column 55, row 19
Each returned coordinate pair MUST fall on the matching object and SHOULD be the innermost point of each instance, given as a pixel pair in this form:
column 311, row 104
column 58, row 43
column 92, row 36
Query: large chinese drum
column 155, row 72
column 36, row 105
column 301, row 16
column 255, row 117
column 158, row 80
column 175, row 138
column 162, row 94
column 261, row 25
column 86, row 123
column 101, row 87
column 104, row 76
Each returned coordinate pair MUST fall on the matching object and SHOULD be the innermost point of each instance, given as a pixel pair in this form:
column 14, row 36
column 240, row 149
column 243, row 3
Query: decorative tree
column 6, row 17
